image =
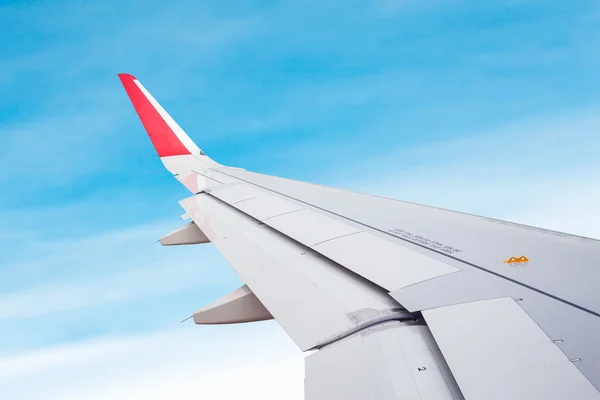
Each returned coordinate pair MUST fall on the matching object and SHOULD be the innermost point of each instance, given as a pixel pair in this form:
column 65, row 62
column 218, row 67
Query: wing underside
column 391, row 299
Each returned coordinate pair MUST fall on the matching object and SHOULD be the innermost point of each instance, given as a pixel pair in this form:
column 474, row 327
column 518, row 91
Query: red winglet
column 163, row 138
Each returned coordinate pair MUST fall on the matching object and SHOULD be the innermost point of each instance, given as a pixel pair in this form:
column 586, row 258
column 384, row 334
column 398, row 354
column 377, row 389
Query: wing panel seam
column 206, row 176
column 337, row 237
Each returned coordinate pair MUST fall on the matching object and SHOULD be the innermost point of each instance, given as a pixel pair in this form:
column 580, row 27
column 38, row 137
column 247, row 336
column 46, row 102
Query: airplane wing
column 391, row 300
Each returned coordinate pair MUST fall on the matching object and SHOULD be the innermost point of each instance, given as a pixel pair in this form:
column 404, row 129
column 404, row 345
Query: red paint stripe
column 162, row 136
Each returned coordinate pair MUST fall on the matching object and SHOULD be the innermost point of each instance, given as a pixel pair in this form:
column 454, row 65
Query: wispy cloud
column 540, row 171
column 167, row 364
column 150, row 281
column 114, row 281
column 259, row 74
column 107, row 252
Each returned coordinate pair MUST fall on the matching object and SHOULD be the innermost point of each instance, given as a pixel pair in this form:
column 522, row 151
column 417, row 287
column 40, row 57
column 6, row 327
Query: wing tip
column 123, row 76
column 161, row 130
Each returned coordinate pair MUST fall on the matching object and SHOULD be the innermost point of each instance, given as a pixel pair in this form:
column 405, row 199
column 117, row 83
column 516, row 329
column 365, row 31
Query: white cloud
column 149, row 281
column 562, row 204
column 543, row 172
column 112, row 267
column 196, row 362
column 115, row 268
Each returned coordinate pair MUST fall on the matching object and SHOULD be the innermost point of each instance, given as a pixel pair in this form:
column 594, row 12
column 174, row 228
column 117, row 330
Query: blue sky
column 486, row 107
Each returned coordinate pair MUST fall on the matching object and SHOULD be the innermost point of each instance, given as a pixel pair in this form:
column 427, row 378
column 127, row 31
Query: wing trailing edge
column 495, row 350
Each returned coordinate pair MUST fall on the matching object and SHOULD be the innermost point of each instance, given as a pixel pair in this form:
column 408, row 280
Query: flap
column 496, row 351
column 397, row 360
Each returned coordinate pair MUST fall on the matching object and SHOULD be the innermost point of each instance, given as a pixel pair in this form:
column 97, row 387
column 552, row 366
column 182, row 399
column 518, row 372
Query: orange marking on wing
column 516, row 260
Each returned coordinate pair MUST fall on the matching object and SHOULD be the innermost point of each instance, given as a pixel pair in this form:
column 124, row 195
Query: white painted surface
column 219, row 177
column 388, row 264
column 392, row 361
column 385, row 263
column 496, row 351
column 196, row 183
column 183, row 164
column 310, row 228
column 309, row 295
column 266, row 207
column 237, row 192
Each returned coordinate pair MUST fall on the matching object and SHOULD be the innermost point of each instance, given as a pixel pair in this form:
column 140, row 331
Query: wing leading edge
column 351, row 274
